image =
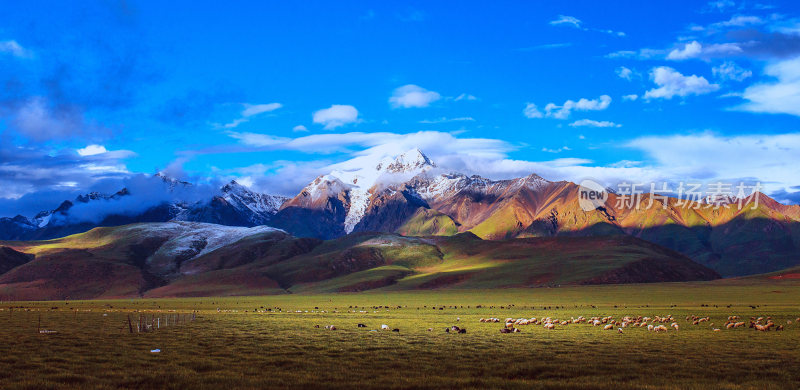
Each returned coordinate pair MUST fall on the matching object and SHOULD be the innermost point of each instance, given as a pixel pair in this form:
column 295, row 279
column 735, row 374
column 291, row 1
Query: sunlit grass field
column 272, row 342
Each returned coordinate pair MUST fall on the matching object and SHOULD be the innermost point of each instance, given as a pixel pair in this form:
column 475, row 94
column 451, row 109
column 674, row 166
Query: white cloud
column 672, row 83
column 531, row 111
column 566, row 21
column 465, row 96
column 559, row 150
column 593, row 123
column 234, row 123
column 690, row 50
column 92, row 150
column 411, row 95
column 641, row 54
column 739, row 21
column 624, row 73
column 344, row 142
column 15, row 49
column 778, row 97
column 36, row 170
column 730, row 71
column 546, row 46
column 564, row 111
column 771, row 159
column 40, row 120
column 299, row 128
column 631, row 97
column 255, row 109
column 445, row 119
column 721, row 5
column 249, row 111
column 571, row 21
column 260, row 140
column 335, row 116
column 695, row 49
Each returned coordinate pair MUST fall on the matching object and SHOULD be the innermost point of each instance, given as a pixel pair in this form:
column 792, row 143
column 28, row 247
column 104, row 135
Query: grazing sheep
column 609, row 327
column 462, row 330
column 430, row 329
column 619, row 330
column 650, row 328
column 716, row 330
column 779, row 327
column 385, row 327
column 730, row 325
column 505, row 330
column 549, row 325
column 362, row 326
column 395, row 330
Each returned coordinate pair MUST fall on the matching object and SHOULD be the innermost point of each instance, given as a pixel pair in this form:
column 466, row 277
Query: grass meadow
column 272, row 341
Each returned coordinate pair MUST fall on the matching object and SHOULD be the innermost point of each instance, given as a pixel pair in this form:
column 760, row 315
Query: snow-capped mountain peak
column 258, row 204
column 410, row 161
column 362, row 174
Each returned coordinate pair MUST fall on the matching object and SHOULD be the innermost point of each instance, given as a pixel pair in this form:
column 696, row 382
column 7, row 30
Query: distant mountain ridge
column 234, row 205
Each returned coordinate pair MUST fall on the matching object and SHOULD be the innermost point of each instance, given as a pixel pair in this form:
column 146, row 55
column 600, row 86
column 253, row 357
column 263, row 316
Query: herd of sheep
column 655, row 324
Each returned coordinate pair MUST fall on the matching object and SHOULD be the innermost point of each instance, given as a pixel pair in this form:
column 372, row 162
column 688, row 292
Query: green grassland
column 272, row 341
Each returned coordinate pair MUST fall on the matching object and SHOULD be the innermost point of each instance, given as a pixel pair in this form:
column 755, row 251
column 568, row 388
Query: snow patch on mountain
column 447, row 185
column 185, row 236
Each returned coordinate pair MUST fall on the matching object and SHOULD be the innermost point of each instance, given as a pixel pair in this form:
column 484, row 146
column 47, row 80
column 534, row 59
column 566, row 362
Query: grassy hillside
column 190, row 259
column 427, row 222
column 757, row 237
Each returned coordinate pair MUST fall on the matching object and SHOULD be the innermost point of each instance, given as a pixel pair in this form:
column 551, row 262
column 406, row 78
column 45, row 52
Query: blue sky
column 275, row 93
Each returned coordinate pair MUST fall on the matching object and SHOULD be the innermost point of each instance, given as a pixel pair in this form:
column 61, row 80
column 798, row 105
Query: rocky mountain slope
column 760, row 235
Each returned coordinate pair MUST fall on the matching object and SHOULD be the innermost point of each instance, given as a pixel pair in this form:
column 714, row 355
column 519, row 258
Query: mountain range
column 409, row 195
